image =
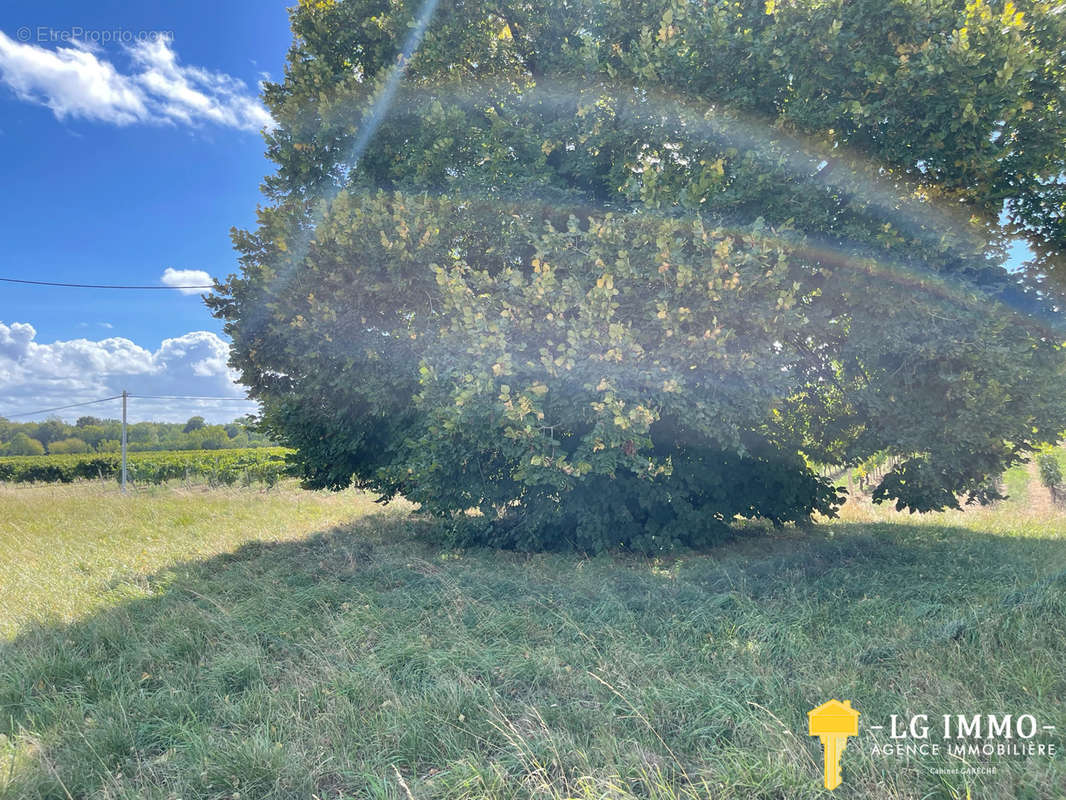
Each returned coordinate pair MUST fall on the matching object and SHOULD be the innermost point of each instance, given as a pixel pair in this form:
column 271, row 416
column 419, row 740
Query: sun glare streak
column 371, row 122
column 381, row 103
column 900, row 198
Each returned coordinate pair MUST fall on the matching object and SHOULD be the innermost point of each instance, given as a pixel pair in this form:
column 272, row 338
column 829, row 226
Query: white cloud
column 186, row 277
column 15, row 339
column 189, row 94
column 35, row 375
column 74, row 82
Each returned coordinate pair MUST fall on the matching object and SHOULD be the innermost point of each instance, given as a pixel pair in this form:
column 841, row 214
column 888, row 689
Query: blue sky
column 131, row 143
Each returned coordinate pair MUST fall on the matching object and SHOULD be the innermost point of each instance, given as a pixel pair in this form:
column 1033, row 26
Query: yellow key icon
column 833, row 722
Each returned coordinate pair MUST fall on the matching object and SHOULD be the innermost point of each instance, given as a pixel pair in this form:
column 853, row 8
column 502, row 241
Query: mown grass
column 66, row 551
column 244, row 656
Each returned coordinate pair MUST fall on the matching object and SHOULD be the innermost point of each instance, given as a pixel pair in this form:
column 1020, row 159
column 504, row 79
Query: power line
column 190, row 397
column 98, row 285
column 119, row 397
column 60, row 408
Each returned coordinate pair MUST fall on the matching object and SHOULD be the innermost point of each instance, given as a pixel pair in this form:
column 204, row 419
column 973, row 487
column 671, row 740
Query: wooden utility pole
column 124, row 396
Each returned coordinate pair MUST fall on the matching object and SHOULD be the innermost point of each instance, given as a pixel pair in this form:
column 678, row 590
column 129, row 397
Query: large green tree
column 615, row 272
column 23, row 445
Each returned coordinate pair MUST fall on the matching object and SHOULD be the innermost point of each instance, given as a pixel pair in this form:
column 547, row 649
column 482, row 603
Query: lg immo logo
column 959, row 737
column 833, row 722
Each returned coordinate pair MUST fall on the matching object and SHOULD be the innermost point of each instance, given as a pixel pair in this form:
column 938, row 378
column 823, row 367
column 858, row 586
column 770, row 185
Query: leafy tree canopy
column 193, row 424
column 70, row 445
column 23, row 445
column 616, row 272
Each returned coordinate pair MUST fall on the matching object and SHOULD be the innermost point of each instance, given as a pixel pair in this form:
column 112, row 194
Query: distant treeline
column 93, row 435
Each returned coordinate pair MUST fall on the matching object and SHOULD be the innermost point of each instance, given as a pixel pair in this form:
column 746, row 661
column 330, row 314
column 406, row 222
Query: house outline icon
column 841, row 714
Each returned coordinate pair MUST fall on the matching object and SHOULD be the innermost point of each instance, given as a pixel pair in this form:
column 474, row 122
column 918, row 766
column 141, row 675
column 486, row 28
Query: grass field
column 208, row 643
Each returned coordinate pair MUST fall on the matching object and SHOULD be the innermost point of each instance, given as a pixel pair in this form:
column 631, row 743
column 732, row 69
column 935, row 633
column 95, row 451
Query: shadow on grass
column 314, row 668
